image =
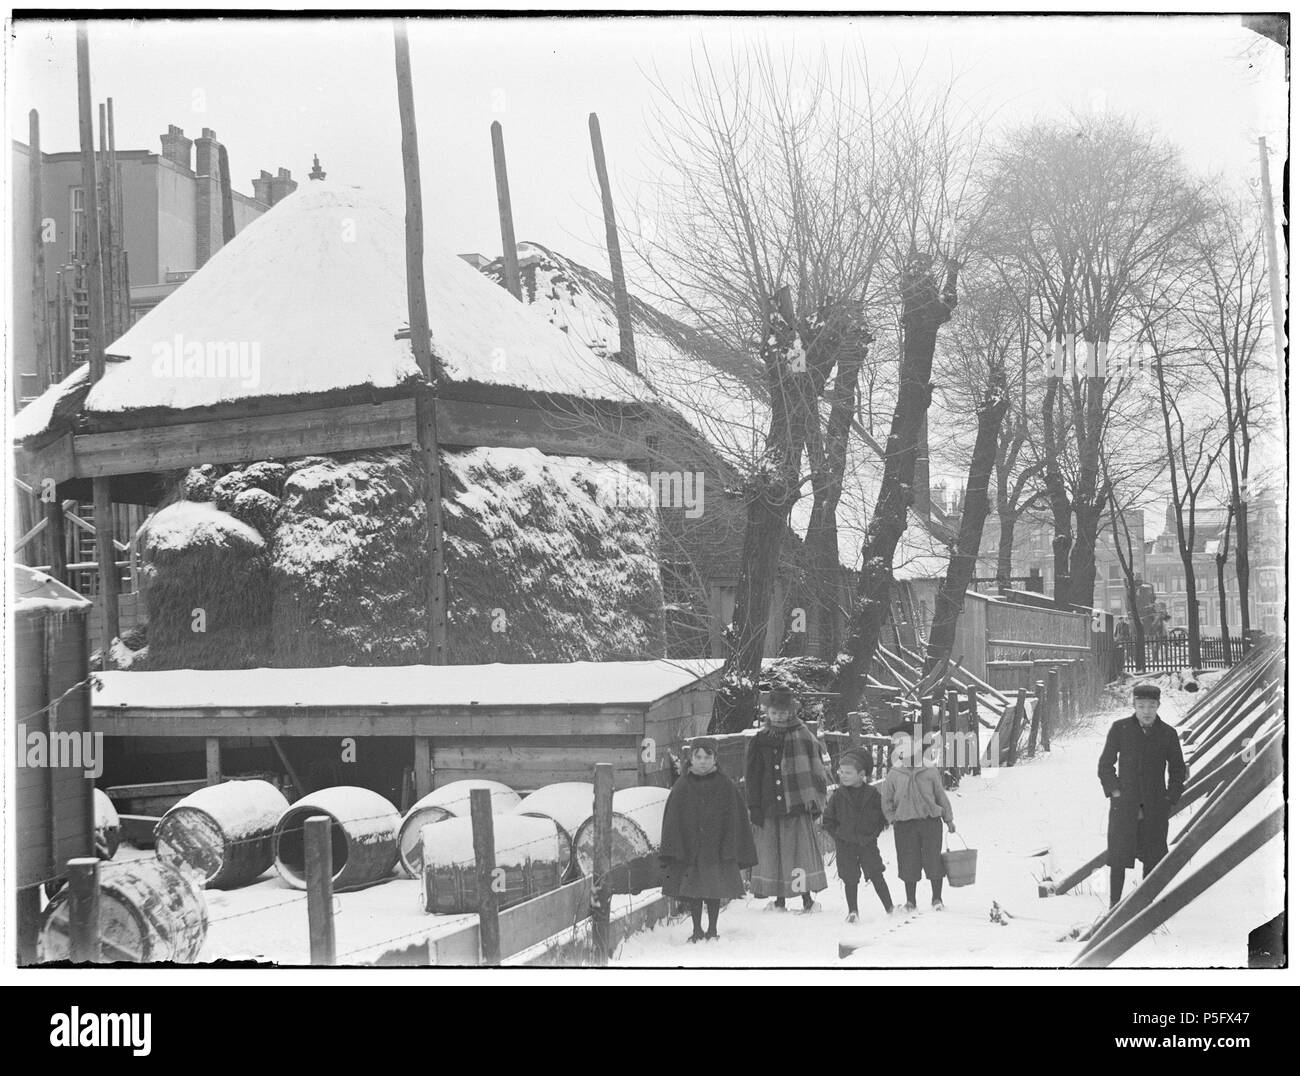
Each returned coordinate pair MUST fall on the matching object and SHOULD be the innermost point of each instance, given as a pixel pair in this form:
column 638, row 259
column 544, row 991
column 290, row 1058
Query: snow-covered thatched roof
column 310, row 298
column 716, row 391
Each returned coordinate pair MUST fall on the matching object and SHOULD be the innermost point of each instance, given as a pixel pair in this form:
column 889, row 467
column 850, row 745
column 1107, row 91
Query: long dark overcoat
column 706, row 841
column 1135, row 763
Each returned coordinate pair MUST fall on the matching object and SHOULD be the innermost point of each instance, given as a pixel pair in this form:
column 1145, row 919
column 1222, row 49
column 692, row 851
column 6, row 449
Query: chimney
column 262, row 188
column 207, row 197
column 316, row 171
column 176, row 147
column 282, row 186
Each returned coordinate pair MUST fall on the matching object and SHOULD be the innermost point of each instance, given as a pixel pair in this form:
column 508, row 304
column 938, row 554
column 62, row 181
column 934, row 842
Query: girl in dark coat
column 706, row 838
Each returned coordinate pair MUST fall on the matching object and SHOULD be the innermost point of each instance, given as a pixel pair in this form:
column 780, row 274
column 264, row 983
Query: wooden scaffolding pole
column 425, row 414
column 508, row 249
column 622, row 304
column 40, row 302
column 1274, row 281
column 105, row 552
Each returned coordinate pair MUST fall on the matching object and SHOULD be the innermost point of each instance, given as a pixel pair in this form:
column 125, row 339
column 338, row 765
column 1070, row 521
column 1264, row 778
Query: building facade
column 172, row 220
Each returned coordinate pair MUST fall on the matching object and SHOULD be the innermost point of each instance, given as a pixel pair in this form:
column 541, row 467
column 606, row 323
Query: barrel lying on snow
column 568, row 804
column 363, row 836
column 223, row 832
column 638, row 828
column 450, row 801
column 148, row 912
column 108, row 832
column 528, row 858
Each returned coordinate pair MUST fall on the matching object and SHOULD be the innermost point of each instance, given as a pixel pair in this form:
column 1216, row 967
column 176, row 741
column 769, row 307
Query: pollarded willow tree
column 1090, row 209
column 779, row 202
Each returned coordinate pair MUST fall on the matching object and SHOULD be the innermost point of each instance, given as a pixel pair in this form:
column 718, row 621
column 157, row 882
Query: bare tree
column 1090, row 209
column 784, row 195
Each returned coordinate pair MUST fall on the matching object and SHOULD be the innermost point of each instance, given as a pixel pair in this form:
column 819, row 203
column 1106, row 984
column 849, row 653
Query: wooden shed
column 524, row 725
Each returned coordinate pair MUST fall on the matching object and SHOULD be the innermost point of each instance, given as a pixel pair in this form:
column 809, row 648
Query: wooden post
column 974, row 740
column 951, row 760
column 509, row 251
column 27, row 923
column 83, row 910
column 1274, row 278
column 1053, row 705
column 426, row 426
column 212, row 759
column 855, row 729
column 602, row 860
column 423, row 766
column 320, row 889
column 56, row 539
column 485, row 865
column 40, row 303
column 1017, row 721
column 927, row 714
column 106, row 553
column 622, row 304
column 1040, row 702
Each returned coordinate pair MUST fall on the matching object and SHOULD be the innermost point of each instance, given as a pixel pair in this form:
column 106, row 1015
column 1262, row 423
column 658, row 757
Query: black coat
column 1139, row 815
column 854, row 815
column 706, row 838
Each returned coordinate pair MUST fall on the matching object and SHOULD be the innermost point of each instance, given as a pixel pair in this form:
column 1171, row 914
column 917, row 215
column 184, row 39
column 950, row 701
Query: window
column 1116, row 573
column 78, row 206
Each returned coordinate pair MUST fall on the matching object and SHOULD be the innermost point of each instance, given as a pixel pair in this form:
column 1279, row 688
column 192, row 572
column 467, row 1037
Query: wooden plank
column 461, row 423
column 501, row 755
column 307, row 721
column 423, row 766
column 602, row 852
column 535, row 920
column 212, row 759
column 154, row 788
column 320, row 890
column 485, row 862
column 533, row 779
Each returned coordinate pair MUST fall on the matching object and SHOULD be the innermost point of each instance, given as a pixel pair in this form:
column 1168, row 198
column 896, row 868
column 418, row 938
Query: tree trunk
column 1006, row 544
column 951, row 598
column 925, row 310
column 1243, row 565
column 1135, row 614
column 771, row 491
column 1193, row 609
column 1083, row 553
column 1057, row 496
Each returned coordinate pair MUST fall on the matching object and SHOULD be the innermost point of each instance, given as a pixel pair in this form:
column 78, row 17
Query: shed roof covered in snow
column 35, row 591
column 308, row 301
column 577, row 683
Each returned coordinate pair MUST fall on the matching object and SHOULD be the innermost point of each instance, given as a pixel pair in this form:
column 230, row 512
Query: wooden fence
column 1173, row 655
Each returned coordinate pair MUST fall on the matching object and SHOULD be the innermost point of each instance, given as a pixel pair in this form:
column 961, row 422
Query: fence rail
column 1171, row 655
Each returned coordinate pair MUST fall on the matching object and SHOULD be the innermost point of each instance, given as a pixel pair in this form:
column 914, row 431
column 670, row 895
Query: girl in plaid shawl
column 785, row 784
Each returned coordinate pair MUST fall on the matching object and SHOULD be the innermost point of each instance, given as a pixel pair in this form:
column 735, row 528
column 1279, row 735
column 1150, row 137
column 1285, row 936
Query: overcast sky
column 277, row 92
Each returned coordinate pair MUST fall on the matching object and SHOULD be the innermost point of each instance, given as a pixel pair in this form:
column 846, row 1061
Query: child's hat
column 1146, row 691
column 858, row 757
column 779, row 697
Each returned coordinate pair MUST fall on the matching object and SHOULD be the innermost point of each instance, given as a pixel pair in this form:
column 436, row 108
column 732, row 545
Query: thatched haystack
column 207, row 582
column 546, row 561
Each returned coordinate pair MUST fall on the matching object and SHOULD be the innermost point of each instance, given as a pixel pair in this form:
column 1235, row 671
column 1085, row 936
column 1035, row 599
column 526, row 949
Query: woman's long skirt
column 790, row 861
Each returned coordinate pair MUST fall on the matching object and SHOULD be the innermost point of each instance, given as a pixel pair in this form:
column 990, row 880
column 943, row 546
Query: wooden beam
column 376, row 721
column 485, row 864
column 622, row 303
column 40, row 302
column 510, row 252
column 334, row 429
column 108, row 582
column 423, row 766
column 319, row 855
column 426, row 417
column 212, row 759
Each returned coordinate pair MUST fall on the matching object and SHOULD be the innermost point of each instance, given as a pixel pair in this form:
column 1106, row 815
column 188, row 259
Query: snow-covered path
column 1047, row 814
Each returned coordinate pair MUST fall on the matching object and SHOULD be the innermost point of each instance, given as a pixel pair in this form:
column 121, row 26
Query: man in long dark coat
column 1140, row 797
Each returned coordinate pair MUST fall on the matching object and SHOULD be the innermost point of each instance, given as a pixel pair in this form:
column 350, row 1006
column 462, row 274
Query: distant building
column 172, row 223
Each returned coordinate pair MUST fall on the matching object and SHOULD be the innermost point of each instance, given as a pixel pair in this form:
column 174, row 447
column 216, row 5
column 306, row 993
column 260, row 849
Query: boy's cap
column 1146, row 691
column 779, row 698
column 858, row 757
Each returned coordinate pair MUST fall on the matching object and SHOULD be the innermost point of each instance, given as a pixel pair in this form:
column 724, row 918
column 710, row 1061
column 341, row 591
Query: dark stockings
column 698, row 906
column 881, row 887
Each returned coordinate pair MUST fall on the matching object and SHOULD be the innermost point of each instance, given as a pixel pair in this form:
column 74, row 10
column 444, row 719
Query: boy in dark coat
column 706, row 838
column 1140, row 800
column 854, row 820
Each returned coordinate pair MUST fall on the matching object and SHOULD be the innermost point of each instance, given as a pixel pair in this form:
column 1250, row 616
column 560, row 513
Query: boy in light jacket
column 915, row 804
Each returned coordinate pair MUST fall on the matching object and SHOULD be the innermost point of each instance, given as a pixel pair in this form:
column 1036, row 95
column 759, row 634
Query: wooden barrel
column 108, row 833
column 638, row 826
column 223, row 832
column 450, row 801
column 148, row 912
column 363, row 836
column 567, row 804
column 528, row 854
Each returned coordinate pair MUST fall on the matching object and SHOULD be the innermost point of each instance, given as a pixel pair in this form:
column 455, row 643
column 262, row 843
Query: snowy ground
column 1045, row 814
